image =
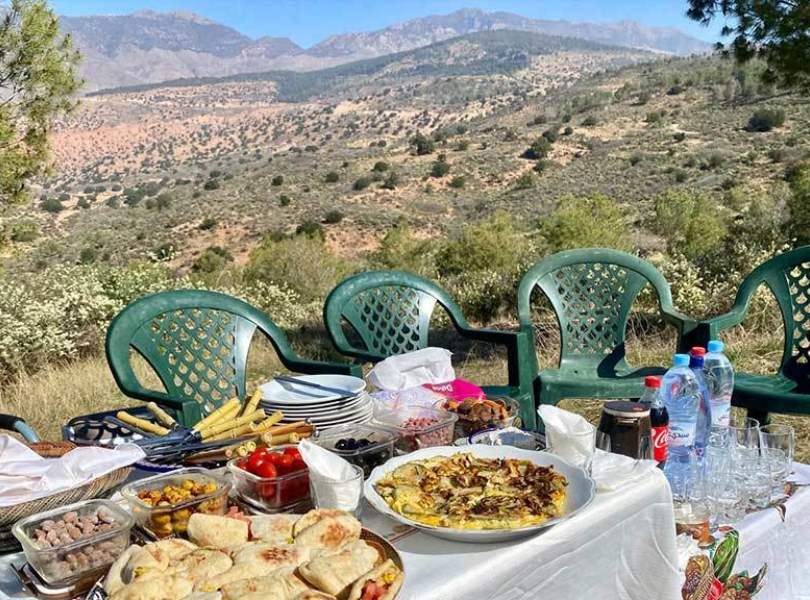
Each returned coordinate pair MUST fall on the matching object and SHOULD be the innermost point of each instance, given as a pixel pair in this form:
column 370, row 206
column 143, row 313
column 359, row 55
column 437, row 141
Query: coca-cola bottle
column 659, row 419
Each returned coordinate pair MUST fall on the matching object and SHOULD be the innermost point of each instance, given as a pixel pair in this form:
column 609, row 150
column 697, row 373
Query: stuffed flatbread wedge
column 381, row 583
column 281, row 585
column 328, row 532
column 214, row 531
column 163, row 587
column 202, row 564
column 336, row 572
column 273, row 529
column 256, row 560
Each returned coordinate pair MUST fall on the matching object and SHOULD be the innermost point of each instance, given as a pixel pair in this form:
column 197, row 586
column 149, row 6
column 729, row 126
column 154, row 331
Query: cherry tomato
column 291, row 451
column 273, row 457
column 254, row 463
column 284, row 463
column 266, row 469
column 298, row 464
column 266, row 490
column 262, row 451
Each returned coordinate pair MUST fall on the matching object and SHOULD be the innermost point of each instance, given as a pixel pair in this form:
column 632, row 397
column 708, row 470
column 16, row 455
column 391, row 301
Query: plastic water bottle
column 681, row 395
column 720, row 379
column 659, row 419
column 704, row 416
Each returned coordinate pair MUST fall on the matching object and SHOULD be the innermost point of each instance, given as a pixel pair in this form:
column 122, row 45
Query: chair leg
column 760, row 415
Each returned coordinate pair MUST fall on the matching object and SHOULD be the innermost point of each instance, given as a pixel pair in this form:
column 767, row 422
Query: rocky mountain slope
column 149, row 47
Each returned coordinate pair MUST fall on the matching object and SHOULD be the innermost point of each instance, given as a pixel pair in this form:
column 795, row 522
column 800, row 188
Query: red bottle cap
column 652, row 381
column 697, row 351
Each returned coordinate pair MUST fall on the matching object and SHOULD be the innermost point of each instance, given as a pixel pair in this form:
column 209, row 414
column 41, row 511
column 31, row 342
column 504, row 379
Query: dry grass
column 50, row 397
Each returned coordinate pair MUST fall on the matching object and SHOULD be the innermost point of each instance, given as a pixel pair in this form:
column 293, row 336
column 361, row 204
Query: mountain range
column 149, row 47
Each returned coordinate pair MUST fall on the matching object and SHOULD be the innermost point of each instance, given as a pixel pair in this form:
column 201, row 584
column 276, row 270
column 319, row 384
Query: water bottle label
column 721, row 412
column 680, row 436
column 660, row 440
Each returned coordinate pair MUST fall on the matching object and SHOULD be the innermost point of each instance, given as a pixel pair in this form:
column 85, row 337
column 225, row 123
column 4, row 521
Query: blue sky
column 307, row 22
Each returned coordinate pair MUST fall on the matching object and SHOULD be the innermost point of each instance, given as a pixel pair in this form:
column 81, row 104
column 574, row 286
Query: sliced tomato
column 370, row 591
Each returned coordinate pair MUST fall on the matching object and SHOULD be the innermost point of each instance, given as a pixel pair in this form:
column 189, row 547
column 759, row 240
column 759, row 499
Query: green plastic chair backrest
column 389, row 310
column 788, row 277
column 592, row 291
column 196, row 341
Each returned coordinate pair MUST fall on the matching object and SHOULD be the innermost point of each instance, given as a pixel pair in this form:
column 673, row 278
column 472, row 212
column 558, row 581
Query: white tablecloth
column 784, row 546
column 622, row 547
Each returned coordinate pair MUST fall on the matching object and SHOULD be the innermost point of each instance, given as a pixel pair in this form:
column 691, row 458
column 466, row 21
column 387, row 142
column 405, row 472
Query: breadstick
column 161, row 416
column 142, row 424
column 230, row 434
column 217, row 414
column 286, row 438
column 268, row 422
column 287, row 427
column 232, row 424
column 253, row 402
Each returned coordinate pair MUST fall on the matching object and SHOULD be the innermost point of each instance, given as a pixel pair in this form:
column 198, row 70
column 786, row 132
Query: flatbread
column 387, row 568
column 256, row 560
column 330, row 532
column 273, row 529
column 214, row 531
column 281, row 585
column 114, row 580
column 203, row 596
column 164, row 587
column 202, row 564
column 334, row 573
column 315, row 515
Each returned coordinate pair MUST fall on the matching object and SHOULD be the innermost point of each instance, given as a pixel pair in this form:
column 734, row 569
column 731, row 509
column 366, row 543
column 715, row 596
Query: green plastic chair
column 197, row 342
column 592, row 291
column 390, row 312
column 787, row 390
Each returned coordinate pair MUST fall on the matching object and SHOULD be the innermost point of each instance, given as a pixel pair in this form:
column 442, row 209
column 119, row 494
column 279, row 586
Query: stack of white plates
column 345, row 402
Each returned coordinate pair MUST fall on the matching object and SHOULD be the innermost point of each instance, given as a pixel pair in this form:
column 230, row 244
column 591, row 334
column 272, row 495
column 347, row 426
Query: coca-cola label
column 680, row 436
column 660, row 439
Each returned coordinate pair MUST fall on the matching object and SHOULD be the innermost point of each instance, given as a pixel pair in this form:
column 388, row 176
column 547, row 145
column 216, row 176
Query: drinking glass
column 723, row 489
column 778, row 443
column 754, row 473
column 743, row 432
column 344, row 494
column 575, row 448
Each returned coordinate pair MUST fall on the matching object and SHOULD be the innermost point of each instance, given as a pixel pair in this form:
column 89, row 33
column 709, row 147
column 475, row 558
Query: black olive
column 342, row 445
column 363, row 442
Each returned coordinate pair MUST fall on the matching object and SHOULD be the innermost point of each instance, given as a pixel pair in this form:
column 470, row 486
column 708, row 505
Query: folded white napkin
column 25, row 475
column 428, row 365
column 569, row 435
column 614, row 471
column 334, row 478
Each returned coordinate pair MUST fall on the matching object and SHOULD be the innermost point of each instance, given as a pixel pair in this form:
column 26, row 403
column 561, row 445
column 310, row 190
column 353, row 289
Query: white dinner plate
column 580, row 491
column 293, row 394
column 318, row 419
column 320, row 409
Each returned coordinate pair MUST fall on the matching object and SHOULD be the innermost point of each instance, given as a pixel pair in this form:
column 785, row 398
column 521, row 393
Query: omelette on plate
column 466, row 492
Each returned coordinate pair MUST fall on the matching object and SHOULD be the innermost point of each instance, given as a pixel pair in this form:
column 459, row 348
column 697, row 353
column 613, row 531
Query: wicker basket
column 98, row 488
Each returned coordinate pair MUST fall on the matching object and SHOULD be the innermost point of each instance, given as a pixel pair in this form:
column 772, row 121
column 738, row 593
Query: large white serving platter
column 293, row 394
column 580, row 492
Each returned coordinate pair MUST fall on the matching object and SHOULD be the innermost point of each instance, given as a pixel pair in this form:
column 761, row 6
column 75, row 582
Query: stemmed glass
column 778, row 442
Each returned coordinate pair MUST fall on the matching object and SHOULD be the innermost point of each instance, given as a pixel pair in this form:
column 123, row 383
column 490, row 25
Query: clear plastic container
column 168, row 520
column 90, row 554
column 417, row 427
column 380, row 446
column 271, row 494
column 471, row 422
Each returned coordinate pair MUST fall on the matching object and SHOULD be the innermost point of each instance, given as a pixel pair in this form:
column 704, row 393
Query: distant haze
column 149, row 47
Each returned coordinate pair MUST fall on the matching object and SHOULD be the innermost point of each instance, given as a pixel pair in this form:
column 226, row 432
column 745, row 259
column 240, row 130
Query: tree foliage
column 584, row 222
column 776, row 30
column 37, row 83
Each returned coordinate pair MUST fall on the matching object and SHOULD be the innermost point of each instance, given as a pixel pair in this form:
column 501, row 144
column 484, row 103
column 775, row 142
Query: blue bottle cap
column 680, row 360
column 715, row 346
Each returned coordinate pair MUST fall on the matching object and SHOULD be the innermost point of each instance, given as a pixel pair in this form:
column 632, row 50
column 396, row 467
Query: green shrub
column 392, row 181
column 83, row 203
column 689, row 223
column 51, row 204
column 362, row 183
column 380, row 166
column 212, row 260
column 799, row 203
column 539, row 149
column 311, row 229
column 590, row 121
column 568, row 130
column 163, row 201
column 422, row 144
column 88, row 255
column 277, row 180
column 635, row 158
column 24, row 231
column 333, row 217
column 457, row 182
column 332, row 177
column 440, row 168
column 586, row 222
column 766, row 119
column 525, row 181
column 284, row 200
column 207, row 224
column 495, row 244
column 211, row 184
column 303, row 262
column 401, row 249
